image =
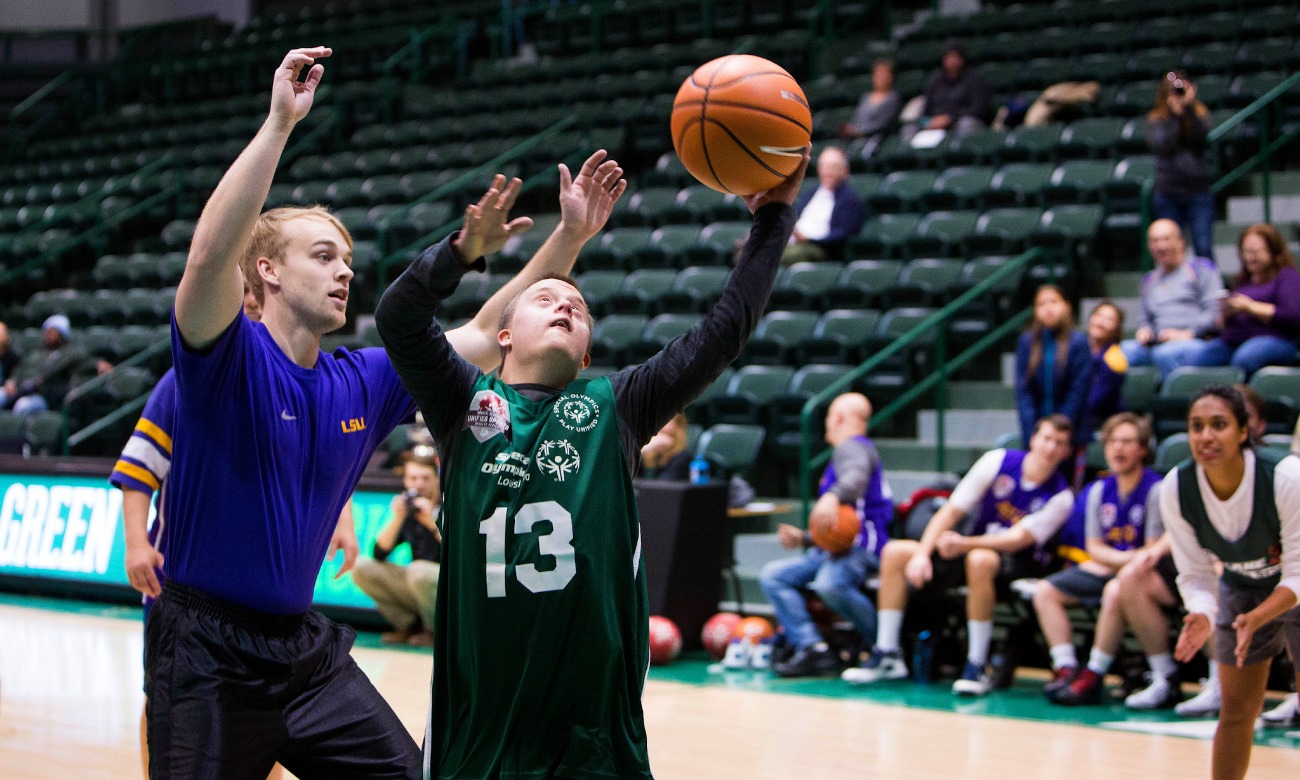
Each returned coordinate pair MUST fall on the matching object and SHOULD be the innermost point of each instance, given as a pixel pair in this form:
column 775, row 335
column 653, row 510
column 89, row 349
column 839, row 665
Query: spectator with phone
column 1178, row 128
column 405, row 594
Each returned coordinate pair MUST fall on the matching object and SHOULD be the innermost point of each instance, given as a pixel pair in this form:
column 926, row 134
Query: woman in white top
column 1243, row 509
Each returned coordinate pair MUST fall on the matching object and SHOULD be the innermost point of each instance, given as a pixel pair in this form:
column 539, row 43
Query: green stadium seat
column 1280, row 387
column 1139, row 390
column 696, row 412
column 611, row 336
column 695, row 288
column 865, row 184
column 598, row 287
column 734, row 448
column 982, row 147
column 1172, row 450
column 777, row 334
column 925, row 282
column 1169, row 409
column 177, row 234
column 1032, row 143
column 840, row 336
column 45, row 433
column 748, row 393
column 723, row 238
column 651, row 207
column 1004, row 231
column 862, row 283
column 1018, row 184
column 885, row 236
column 1069, row 225
column 1247, row 88
column 673, row 246
column 1153, row 64
column 1268, row 21
column 902, row 190
column 171, row 266
column 660, row 330
column 704, row 205
column 1135, row 98
column 802, row 285
column 110, row 271
column 641, row 290
column 943, row 233
column 785, row 410
column 959, row 187
column 1092, row 137
column 1078, row 181
column 13, row 433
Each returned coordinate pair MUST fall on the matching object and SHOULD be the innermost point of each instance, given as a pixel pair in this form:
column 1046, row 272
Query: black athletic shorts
column 232, row 690
column 1081, row 585
column 952, row 573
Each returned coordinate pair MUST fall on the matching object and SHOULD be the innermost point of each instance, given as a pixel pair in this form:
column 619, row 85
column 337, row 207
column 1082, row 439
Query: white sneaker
column 1203, row 705
column 1161, row 694
column 880, row 665
column 974, row 681
column 1285, row 715
column 761, row 656
column 739, row 655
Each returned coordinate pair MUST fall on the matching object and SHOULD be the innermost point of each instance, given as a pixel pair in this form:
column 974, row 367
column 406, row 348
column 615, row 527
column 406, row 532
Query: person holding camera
column 1178, row 127
column 405, row 594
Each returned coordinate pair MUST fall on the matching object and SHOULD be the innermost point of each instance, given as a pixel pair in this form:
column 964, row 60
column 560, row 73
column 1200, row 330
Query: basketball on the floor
column 665, row 640
column 755, row 629
column 740, row 124
column 837, row 536
column 717, row 632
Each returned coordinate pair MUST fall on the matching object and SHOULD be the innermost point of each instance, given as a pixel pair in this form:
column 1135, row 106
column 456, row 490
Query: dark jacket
column 846, row 218
column 1071, row 383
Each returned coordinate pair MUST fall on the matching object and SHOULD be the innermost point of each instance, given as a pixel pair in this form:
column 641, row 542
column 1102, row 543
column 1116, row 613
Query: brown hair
column 267, row 240
column 408, row 458
column 1062, row 333
column 1107, row 303
column 1279, row 253
column 1058, row 421
column 1160, row 108
column 1128, row 418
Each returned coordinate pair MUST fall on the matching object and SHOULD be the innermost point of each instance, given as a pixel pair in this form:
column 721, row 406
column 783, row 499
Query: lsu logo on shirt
column 352, row 425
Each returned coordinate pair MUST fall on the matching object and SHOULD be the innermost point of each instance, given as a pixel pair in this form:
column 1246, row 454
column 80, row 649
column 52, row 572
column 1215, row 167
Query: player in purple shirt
column 272, row 435
column 1019, row 502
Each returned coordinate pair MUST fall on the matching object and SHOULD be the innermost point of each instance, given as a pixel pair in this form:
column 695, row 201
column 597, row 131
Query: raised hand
column 586, row 202
column 486, row 228
column 786, row 192
column 291, row 99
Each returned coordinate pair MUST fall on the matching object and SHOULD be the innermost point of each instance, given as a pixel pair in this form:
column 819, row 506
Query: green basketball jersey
column 542, row 610
column 1255, row 560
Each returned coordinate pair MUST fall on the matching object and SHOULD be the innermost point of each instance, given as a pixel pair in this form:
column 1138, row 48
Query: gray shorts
column 1279, row 633
column 1084, row 586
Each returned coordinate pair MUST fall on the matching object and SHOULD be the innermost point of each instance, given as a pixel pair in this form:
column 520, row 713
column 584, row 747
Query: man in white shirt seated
column 828, row 216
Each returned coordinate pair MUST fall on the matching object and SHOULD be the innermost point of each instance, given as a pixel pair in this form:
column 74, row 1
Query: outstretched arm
column 211, row 292
column 585, row 205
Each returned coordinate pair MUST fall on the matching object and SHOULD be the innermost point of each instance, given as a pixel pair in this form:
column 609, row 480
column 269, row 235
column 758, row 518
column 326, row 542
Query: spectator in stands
column 1053, row 367
column 1019, row 502
column 41, row 381
column 957, row 98
column 405, row 594
column 1260, row 319
column 1105, row 329
column 877, row 111
column 1230, row 492
column 854, row 477
column 665, row 456
column 1128, row 574
column 1177, row 129
column 1180, row 303
column 828, row 216
column 9, row 359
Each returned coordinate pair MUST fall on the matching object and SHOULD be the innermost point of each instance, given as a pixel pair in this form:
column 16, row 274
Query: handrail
column 130, row 407
column 40, row 94
column 1267, row 147
column 389, row 258
column 84, row 389
column 116, row 185
column 935, row 322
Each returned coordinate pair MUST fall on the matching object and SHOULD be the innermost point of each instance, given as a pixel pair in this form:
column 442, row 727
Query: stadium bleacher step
column 914, row 455
column 967, row 427
column 981, row 395
column 904, row 482
column 1123, row 284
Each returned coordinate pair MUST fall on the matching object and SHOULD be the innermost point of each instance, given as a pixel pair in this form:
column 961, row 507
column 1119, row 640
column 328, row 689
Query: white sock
column 1100, row 661
column 1162, row 665
column 889, row 624
column 1214, row 674
column 1063, row 656
column 980, row 633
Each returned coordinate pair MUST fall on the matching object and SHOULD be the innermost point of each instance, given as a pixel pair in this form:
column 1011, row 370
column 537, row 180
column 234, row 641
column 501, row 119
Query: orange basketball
column 837, row 536
column 755, row 629
column 740, row 124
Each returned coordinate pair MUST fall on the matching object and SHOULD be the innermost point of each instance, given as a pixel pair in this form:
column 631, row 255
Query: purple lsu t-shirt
column 1007, row 502
column 265, row 455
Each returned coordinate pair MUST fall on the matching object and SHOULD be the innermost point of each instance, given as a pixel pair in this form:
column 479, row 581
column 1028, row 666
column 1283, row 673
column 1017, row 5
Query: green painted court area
column 1024, row 701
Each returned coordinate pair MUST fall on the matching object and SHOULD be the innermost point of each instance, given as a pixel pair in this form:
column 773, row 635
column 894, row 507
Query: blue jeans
column 1165, row 357
column 30, row 404
column 836, row 581
column 1251, row 355
column 1195, row 213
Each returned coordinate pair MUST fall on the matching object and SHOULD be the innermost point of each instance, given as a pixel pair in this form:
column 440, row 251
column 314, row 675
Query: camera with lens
column 1178, row 82
column 409, row 498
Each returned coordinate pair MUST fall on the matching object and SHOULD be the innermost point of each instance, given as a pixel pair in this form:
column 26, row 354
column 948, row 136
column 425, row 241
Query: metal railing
column 86, row 388
column 935, row 325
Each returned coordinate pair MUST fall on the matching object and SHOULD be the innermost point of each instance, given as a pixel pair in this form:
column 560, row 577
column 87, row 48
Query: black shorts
column 1169, row 573
column 232, row 690
column 952, row 573
column 1081, row 585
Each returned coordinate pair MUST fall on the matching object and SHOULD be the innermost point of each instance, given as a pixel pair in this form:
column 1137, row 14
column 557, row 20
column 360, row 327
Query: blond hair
column 267, row 240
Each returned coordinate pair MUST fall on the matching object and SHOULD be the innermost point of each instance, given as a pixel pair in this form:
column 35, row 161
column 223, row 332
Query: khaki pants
column 404, row 594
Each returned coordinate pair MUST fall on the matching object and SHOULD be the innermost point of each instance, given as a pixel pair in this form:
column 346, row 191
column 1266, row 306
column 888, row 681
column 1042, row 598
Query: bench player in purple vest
column 272, row 435
column 1020, row 503
column 854, row 477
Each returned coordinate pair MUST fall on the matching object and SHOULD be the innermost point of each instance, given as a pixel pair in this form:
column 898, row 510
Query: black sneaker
column 1061, row 679
column 809, row 662
column 1087, row 688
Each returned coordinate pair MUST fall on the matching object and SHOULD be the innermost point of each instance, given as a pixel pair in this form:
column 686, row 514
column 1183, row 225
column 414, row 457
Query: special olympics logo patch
column 578, row 413
column 1108, row 514
column 488, row 415
column 1137, row 514
column 1003, row 485
column 557, row 458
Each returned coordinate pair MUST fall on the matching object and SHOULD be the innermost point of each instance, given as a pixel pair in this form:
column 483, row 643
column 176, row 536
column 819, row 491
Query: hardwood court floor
column 70, row 703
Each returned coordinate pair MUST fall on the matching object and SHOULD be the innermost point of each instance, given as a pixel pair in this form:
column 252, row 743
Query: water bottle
column 923, row 658
column 699, row 470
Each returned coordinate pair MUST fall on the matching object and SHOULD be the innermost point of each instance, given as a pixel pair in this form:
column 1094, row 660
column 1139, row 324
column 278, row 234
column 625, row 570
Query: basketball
column 665, row 640
column 717, row 633
column 755, row 629
column 740, row 124
column 837, row 536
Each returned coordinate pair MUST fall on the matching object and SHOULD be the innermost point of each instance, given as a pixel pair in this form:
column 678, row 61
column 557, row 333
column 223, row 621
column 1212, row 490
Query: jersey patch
column 578, row 413
column 488, row 415
column 557, row 459
column 1003, row 485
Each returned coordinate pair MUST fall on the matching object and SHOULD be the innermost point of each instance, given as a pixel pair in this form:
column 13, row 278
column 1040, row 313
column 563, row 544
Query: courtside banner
column 70, row 528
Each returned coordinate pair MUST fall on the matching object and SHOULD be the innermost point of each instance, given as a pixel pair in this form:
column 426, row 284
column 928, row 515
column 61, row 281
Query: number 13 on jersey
column 558, row 543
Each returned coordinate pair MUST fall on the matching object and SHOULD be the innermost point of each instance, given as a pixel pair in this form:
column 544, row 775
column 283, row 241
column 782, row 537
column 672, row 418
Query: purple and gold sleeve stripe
column 145, row 459
column 130, row 476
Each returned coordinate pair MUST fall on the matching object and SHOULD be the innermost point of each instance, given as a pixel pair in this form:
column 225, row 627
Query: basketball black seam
column 756, row 109
column 704, row 146
column 742, row 145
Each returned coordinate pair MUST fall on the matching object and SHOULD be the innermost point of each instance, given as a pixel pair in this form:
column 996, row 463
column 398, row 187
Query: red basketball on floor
column 755, row 629
column 740, row 124
column 665, row 640
column 838, row 535
column 717, row 633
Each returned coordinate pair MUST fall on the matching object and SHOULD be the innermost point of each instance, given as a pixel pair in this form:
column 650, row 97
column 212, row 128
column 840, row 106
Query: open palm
column 291, row 99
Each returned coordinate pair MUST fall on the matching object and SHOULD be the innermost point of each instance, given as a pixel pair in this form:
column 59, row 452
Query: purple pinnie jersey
column 1123, row 521
column 876, row 507
column 1007, row 502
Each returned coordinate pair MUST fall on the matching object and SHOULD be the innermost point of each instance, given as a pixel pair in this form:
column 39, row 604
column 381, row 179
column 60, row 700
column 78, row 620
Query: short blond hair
column 267, row 240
